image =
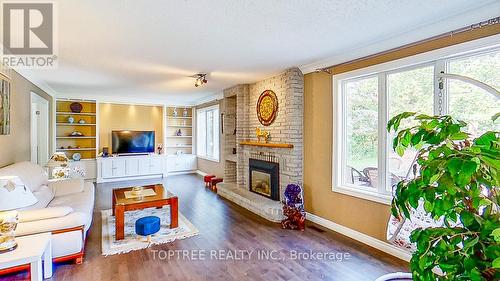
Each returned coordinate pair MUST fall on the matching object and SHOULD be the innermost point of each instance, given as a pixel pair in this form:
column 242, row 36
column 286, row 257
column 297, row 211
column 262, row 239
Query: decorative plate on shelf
column 267, row 107
column 76, row 156
column 76, row 107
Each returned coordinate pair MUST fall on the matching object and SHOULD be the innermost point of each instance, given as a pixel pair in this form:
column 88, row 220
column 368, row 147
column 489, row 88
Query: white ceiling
column 145, row 50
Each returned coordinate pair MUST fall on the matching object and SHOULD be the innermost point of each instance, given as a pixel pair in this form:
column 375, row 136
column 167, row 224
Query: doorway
column 39, row 129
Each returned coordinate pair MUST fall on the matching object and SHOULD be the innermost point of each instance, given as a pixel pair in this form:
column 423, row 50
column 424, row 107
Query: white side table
column 30, row 250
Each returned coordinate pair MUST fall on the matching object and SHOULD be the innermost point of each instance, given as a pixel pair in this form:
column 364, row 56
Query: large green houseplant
column 458, row 181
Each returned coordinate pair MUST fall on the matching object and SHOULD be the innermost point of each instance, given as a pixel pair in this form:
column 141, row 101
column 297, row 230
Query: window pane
column 207, row 137
column 361, row 117
column 216, row 134
column 201, row 132
column 470, row 103
column 210, row 133
column 410, row 90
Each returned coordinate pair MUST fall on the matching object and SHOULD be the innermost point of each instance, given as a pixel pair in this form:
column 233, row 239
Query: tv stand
column 132, row 154
column 111, row 169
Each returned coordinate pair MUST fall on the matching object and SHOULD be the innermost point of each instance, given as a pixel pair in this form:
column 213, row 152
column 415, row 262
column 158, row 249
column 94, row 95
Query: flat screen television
column 127, row 142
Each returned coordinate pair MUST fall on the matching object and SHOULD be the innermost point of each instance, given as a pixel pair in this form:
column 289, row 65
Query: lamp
column 58, row 163
column 13, row 195
column 200, row 79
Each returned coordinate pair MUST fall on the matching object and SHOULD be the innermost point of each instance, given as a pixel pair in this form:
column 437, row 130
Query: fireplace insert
column 264, row 178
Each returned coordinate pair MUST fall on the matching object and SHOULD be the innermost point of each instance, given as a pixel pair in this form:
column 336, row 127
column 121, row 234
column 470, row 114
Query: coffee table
column 122, row 204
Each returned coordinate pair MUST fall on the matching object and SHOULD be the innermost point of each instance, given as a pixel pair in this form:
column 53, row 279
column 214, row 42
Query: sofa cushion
column 81, row 202
column 31, row 174
column 43, row 214
column 62, row 187
column 44, row 195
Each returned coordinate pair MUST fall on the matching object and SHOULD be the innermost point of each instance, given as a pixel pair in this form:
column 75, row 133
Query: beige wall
column 362, row 215
column 16, row 146
column 129, row 117
column 212, row 167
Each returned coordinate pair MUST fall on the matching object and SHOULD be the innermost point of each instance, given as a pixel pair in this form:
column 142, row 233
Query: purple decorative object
column 293, row 208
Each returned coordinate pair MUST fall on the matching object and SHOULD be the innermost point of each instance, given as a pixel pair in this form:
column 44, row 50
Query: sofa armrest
column 72, row 220
column 61, row 187
column 43, row 214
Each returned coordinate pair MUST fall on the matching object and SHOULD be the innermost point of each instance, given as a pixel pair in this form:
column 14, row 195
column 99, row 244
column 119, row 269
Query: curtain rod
column 471, row 27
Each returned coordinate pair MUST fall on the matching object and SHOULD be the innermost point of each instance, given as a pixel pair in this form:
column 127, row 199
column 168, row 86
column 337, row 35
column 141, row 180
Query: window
column 365, row 164
column 361, row 130
column 207, row 137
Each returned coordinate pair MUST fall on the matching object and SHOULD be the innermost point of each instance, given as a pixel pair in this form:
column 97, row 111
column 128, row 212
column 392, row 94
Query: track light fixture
column 200, row 79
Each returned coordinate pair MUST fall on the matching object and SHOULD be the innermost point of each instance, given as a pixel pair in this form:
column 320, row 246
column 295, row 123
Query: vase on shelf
column 174, row 112
column 185, row 112
column 71, row 120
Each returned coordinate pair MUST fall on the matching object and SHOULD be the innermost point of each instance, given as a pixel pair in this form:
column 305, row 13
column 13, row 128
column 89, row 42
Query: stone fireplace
column 283, row 157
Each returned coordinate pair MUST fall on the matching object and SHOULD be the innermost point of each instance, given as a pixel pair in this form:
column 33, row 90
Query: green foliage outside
column 413, row 90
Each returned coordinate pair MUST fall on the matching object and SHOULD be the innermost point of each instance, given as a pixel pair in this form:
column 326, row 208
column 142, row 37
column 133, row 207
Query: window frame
column 216, row 133
column 439, row 59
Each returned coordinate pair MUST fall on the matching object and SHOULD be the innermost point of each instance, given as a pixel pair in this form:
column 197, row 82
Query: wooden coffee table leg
column 174, row 212
column 114, row 202
column 119, row 221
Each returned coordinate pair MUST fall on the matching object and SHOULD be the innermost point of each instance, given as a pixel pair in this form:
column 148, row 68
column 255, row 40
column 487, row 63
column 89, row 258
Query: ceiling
column 146, row 50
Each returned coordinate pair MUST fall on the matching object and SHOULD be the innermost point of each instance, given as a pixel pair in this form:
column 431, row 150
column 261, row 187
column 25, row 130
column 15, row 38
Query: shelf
column 180, row 126
column 275, row 145
column 180, row 117
column 74, row 124
column 75, row 149
column 183, row 146
column 231, row 158
column 74, row 113
column 179, row 136
column 75, row 137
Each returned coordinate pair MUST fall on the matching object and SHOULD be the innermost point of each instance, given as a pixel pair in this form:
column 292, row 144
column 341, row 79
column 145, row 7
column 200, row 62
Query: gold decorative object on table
column 267, row 107
column 58, row 164
column 13, row 195
column 262, row 134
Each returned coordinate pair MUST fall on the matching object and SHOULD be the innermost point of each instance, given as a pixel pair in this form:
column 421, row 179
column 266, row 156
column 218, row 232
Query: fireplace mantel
column 275, row 145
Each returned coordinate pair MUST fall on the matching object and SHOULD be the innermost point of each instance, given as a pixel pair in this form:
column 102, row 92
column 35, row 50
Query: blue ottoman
column 147, row 225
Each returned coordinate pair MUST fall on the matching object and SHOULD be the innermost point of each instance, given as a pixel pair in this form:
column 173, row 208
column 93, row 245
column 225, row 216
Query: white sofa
column 64, row 208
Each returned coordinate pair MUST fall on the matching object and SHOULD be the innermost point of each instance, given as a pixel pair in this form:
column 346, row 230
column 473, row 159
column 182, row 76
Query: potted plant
column 457, row 183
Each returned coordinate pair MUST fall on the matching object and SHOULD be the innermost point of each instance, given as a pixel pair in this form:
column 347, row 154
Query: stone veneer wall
column 287, row 128
column 229, row 110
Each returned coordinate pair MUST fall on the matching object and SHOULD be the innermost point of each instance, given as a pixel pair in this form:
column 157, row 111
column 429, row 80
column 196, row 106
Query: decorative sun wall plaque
column 267, row 107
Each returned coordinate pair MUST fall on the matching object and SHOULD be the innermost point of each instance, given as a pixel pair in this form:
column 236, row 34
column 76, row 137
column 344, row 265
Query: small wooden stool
column 208, row 180
column 214, row 182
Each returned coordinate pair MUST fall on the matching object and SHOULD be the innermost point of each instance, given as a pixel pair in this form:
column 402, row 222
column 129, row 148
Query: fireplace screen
column 264, row 178
column 261, row 183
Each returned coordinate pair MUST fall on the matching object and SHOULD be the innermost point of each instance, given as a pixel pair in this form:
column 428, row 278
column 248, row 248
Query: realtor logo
column 28, row 35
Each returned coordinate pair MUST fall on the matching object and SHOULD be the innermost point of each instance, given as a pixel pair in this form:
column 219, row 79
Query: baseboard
column 100, row 180
column 181, row 173
column 201, row 173
column 361, row 237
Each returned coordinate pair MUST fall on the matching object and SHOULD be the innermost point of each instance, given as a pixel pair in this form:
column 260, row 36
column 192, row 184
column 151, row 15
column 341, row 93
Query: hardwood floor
column 225, row 226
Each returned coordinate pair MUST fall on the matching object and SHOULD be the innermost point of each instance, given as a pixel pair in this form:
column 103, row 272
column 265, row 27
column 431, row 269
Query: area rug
column 133, row 241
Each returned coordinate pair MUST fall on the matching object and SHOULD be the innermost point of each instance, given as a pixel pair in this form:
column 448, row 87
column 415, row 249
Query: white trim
column 208, row 158
column 214, row 97
column 181, row 173
column 361, row 237
column 364, row 194
column 438, row 59
column 458, row 50
column 201, row 173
